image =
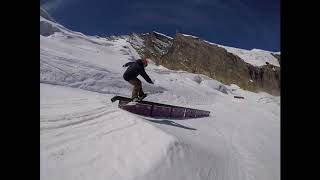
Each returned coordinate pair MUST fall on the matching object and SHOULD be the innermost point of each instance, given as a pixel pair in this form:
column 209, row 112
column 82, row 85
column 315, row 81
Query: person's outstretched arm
column 146, row 77
column 127, row 64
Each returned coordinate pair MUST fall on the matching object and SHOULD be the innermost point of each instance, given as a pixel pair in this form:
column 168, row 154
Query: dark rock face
column 196, row 56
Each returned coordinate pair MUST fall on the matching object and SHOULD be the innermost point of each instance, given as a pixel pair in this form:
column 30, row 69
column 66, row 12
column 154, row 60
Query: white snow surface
column 44, row 14
column 255, row 57
column 190, row 36
column 163, row 35
column 85, row 136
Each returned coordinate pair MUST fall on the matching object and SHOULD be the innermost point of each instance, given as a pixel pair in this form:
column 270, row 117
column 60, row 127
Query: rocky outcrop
column 197, row 56
column 153, row 45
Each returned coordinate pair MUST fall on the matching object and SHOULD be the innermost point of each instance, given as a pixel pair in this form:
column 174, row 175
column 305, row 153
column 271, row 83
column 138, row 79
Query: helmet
column 145, row 62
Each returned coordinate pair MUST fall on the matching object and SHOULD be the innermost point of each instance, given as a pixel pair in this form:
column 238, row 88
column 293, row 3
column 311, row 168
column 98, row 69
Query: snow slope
column 85, row 136
column 256, row 57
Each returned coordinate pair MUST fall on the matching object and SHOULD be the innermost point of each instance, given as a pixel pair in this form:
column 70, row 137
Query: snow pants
column 137, row 88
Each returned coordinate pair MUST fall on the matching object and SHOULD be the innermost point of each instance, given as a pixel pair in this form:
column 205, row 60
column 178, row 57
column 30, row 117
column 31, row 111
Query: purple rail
column 159, row 110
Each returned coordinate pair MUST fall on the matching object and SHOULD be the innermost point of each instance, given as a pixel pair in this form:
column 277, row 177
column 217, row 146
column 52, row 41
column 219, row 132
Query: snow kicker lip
column 158, row 110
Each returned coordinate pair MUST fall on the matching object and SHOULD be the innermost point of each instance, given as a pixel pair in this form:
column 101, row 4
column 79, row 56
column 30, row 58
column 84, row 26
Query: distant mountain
column 255, row 70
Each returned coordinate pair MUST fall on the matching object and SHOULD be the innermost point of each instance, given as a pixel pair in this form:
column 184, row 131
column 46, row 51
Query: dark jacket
column 135, row 69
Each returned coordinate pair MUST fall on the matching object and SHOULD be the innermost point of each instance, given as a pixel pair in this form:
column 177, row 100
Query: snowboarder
column 135, row 69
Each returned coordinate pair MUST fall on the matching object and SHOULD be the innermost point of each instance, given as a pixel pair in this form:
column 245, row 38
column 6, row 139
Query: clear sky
column 245, row 24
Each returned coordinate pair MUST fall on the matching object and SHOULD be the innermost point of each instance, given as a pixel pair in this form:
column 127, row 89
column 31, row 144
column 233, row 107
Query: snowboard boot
column 135, row 99
column 142, row 96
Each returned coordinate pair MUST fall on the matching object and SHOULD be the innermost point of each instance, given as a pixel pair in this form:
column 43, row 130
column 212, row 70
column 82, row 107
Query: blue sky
column 244, row 24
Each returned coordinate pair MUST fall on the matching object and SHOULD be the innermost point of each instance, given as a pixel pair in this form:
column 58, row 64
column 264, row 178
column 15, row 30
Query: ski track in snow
column 85, row 136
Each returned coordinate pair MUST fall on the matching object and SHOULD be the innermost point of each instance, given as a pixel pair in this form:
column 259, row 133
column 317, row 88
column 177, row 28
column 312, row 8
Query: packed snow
column 85, row 136
column 255, row 57
column 188, row 35
column 163, row 35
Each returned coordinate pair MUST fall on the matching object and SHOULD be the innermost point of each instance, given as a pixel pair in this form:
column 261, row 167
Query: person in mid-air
column 135, row 69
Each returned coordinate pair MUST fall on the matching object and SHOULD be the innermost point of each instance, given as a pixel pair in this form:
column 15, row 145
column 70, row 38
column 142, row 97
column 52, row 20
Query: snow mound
column 197, row 79
column 216, row 85
column 234, row 87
